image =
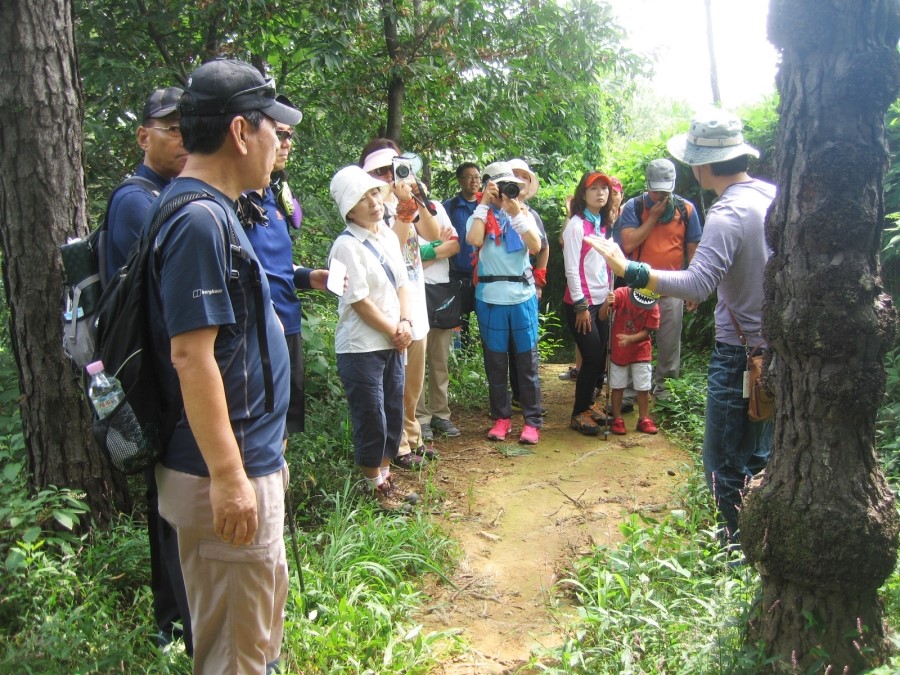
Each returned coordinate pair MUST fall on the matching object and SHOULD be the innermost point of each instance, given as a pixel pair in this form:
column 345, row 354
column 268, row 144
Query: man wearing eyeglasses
column 277, row 214
column 223, row 476
column 159, row 136
column 164, row 156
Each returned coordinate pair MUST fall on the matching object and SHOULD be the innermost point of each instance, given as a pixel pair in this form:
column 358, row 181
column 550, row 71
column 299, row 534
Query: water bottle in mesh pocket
column 130, row 447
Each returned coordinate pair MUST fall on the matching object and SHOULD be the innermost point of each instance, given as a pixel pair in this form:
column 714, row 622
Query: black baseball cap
column 162, row 102
column 227, row 86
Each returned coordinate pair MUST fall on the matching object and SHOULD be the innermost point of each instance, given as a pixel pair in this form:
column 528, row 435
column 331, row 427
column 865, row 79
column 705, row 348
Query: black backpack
column 125, row 339
column 125, row 345
column 84, row 264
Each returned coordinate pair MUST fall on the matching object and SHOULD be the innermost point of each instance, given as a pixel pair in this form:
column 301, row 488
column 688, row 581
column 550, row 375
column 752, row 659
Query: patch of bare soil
column 521, row 519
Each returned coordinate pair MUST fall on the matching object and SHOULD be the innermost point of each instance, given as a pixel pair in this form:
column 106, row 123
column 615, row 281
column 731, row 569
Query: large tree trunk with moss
column 821, row 525
column 42, row 202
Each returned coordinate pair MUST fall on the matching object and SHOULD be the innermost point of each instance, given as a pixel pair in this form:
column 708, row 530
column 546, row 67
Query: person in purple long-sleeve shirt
column 730, row 259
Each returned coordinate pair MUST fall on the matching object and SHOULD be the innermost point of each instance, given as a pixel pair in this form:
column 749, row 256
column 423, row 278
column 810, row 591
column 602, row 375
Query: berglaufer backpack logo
column 200, row 292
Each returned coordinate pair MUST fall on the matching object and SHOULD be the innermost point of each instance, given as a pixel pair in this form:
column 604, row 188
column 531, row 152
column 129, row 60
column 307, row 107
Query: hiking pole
column 606, row 408
column 292, row 526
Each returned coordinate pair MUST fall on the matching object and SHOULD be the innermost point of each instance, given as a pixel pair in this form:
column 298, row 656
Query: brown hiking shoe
column 584, row 423
column 597, row 414
column 389, row 500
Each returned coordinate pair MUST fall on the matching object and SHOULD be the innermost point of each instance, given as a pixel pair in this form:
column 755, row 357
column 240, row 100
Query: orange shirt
column 663, row 249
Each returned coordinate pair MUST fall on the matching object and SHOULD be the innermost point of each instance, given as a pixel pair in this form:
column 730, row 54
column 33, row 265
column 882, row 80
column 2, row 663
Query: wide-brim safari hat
column 715, row 137
column 522, row 165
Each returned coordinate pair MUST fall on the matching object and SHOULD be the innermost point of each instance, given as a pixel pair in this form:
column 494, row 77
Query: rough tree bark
column 821, row 525
column 42, row 202
column 396, row 85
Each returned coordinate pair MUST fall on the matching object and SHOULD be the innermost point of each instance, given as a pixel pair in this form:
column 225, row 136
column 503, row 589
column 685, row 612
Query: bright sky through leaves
column 675, row 30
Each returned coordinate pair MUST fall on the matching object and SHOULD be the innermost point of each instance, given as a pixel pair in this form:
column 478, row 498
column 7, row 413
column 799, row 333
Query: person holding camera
column 381, row 159
column 505, row 298
column 662, row 229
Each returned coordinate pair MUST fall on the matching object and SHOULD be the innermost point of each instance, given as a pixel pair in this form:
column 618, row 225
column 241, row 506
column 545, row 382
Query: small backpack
column 84, row 265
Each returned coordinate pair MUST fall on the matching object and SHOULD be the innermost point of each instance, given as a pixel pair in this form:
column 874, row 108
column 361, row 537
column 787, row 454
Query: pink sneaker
column 530, row 435
column 500, row 429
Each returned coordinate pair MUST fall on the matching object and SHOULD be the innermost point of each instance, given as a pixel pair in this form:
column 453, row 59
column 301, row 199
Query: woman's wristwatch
column 403, row 318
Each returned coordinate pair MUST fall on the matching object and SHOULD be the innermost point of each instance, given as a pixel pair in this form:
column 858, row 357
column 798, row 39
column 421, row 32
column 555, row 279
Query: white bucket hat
column 522, row 165
column 715, row 137
column 500, row 172
column 350, row 184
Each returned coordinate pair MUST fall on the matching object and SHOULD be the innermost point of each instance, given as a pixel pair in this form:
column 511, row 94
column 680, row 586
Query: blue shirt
column 274, row 248
column 459, row 211
column 127, row 213
column 496, row 260
column 192, row 288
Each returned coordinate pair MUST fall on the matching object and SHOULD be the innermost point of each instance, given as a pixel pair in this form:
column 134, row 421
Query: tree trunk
column 713, row 64
column 820, row 524
column 396, row 86
column 42, row 202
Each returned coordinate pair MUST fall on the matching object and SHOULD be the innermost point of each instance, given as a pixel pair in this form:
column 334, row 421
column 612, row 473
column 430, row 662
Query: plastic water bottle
column 104, row 391
column 124, row 437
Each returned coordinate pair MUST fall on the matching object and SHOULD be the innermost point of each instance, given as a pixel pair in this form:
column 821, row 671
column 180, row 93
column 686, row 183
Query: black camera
column 509, row 189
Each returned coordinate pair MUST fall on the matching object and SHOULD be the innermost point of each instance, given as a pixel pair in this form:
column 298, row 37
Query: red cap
column 594, row 176
column 615, row 184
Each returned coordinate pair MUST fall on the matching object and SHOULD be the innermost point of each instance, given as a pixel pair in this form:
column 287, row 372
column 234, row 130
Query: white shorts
column 641, row 375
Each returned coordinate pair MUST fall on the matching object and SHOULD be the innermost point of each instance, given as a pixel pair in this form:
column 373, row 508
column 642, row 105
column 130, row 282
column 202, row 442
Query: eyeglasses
column 173, row 131
column 267, row 88
column 285, row 135
column 474, row 178
column 382, row 171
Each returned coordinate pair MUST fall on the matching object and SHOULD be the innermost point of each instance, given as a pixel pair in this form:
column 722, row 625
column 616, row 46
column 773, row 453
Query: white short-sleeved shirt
column 366, row 278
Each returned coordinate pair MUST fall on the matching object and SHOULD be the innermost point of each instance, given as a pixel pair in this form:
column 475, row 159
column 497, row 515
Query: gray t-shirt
column 732, row 257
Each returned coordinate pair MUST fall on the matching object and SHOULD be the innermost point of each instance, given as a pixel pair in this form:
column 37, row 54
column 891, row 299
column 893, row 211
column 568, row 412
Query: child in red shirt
column 631, row 351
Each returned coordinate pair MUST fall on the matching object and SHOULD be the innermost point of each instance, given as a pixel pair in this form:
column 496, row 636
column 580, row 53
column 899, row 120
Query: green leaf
column 11, row 471
column 65, row 518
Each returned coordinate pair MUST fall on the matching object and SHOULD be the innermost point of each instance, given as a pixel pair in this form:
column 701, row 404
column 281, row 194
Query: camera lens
column 402, row 171
column 511, row 190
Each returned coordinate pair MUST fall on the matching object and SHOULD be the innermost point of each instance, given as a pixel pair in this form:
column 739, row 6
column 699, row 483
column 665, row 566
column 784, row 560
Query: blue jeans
column 373, row 384
column 734, row 447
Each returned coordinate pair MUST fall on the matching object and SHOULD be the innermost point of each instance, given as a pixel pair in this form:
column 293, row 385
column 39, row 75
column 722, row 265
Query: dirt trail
column 520, row 519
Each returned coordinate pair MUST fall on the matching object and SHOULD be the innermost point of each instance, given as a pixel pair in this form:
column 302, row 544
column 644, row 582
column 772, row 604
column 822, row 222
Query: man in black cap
column 272, row 219
column 159, row 137
column 164, row 156
column 222, row 356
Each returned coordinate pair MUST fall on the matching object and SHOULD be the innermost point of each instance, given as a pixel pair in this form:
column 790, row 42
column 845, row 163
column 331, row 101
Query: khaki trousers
column 437, row 360
column 412, row 389
column 236, row 594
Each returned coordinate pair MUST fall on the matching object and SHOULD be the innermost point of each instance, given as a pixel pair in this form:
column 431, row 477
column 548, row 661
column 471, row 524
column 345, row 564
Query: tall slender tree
column 42, row 202
column 821, row 525
column 713, row 63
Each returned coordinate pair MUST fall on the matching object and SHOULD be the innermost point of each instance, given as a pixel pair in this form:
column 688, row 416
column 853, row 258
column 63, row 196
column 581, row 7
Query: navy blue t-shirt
column 127, row 213
column 459, row 211
column 192, row 289
column 274, row 246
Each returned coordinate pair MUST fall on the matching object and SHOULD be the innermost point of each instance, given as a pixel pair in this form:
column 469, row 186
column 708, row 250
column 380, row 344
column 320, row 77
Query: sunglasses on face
column 285, row 135
column 382, row 171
